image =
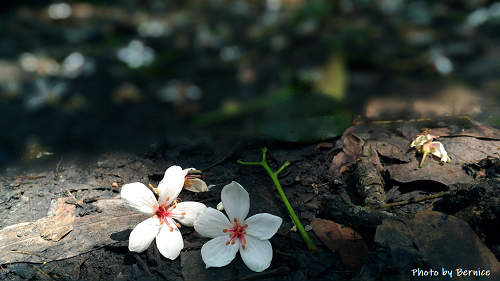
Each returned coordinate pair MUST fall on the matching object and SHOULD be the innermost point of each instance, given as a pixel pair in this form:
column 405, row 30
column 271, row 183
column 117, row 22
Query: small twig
column 30, row 253
column 79, row 203
column 58, row 164
column 406, row 202
column 43, row 273
column 80, row 266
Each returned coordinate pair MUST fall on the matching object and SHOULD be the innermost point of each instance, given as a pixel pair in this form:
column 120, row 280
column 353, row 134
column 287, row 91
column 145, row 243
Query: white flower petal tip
column 169, row 242
column 220, row 206
column 171, row 185
column 138, row 198
column 263, row 226
column 143, row 234
column 259, row 255
column 187, row 212
column 216, row 254
column 186, row 171
column 249, row 236
column 236, row 201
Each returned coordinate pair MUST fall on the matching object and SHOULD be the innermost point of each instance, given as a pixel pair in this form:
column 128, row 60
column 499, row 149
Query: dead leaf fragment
column 432, row 170
column 350, row 245
column 352, row 148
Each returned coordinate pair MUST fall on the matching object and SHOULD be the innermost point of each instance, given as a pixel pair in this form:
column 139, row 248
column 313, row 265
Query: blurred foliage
column 305, row 117
column 232, row 53
column 333, row 80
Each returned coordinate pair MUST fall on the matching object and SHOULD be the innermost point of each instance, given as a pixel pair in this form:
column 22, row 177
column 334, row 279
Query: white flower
column 421, row 140
column 137, row 197
column 248, row 236
column 424, row 144
column 193, row 182
column 440, row 152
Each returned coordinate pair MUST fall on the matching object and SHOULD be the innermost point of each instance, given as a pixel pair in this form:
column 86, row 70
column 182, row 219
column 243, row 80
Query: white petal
column 263, row 226
column 421, row 140
column 440, row 151
column 236, row 201
column 257, row 254
column 143, row 234
column 186, row 171
column 171, row 185
column 211, row 223
column 220, row 206
column 196, row 185
column 137, row 197
column 191, row 208
column 215, row 253
column 169, row 243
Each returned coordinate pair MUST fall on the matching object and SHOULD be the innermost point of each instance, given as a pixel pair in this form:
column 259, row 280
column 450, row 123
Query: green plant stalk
column 274, row 177
column 423, row 158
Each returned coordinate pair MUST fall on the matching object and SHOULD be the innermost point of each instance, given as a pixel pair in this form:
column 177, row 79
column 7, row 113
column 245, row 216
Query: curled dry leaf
column 353, row 146
column 347, row 242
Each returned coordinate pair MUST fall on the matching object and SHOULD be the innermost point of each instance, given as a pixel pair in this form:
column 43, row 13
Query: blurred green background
column 90, row 76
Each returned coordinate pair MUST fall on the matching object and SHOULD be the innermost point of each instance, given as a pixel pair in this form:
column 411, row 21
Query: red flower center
column 164, row 213
column 237, row 232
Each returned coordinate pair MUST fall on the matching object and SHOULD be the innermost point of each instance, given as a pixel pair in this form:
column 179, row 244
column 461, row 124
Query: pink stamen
column 165, row 212
column 237, row 232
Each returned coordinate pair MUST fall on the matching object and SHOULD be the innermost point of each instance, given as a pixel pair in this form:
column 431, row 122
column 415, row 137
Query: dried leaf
column 391, row 151
column 470, row 150
column 432, row 170
column 350, row 245
column 353, row 145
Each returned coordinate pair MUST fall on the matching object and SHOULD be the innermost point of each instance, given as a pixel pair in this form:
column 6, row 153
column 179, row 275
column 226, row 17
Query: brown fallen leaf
column 432, row 170
column 473, row 129
column 470, row 149
column 461, row 150
column 350, row 245
column 392, row 151
column 352, row 148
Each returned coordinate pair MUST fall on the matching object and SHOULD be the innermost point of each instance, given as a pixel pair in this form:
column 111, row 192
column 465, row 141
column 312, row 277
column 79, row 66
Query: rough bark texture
column 369, row 182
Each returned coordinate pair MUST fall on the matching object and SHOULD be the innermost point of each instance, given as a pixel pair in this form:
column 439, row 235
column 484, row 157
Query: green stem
column 423, row 158
column 274, row 178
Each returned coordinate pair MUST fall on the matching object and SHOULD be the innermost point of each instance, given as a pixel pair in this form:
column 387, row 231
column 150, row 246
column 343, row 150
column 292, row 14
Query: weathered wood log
column 62, row 235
